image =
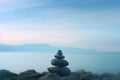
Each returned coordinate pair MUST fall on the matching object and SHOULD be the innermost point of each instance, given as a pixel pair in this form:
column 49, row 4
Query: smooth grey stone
column 59, row 62
column 59, row 56
column 62, row 71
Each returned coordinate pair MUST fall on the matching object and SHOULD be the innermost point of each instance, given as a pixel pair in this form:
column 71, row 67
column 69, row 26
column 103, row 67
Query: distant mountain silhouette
column 40, row 48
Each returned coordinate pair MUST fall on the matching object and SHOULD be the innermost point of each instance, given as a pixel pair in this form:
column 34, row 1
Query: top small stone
column 60, row 52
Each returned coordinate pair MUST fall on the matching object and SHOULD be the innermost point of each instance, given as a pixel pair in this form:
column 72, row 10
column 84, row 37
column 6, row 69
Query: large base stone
column 62, row 71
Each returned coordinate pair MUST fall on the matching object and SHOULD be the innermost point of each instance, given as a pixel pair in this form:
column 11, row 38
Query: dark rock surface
column 107, row 76
column 28, row 72
column 6, row 74
column 77, row 75
column 50, row 76
column 82, row 75
column 26, row 75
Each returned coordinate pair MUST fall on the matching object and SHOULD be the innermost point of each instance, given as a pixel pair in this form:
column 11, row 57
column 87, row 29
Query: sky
column 89, row 24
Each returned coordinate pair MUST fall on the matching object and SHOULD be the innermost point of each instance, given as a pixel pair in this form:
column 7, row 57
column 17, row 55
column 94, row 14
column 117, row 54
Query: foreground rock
column 50, row 76
column 26, row 75
column 81, row 75
column 6, row 74
column 28, row 72
column 77, row 75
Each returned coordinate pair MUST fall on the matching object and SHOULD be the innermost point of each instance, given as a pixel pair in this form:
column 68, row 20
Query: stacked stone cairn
column 60, row 65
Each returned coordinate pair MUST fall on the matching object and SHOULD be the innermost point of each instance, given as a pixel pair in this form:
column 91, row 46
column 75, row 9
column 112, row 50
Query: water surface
column 95, row 62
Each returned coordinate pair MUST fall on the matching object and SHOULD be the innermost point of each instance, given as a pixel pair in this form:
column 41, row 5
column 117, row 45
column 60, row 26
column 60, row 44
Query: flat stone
column 59, row 56
column 59, row 62
column 62, row 71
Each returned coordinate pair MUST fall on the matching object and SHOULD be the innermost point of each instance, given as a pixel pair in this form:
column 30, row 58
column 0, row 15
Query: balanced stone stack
column 60, row 65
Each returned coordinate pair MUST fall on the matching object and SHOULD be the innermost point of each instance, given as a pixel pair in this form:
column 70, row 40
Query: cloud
column 59, row 35
column 11, row 5
column 9, row 35
column 8, row 2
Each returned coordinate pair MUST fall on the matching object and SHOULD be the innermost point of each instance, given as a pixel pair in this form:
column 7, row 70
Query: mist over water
column 95, row 62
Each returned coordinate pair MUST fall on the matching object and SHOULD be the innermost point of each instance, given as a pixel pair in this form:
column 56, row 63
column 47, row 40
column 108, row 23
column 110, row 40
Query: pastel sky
column 89, row 24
